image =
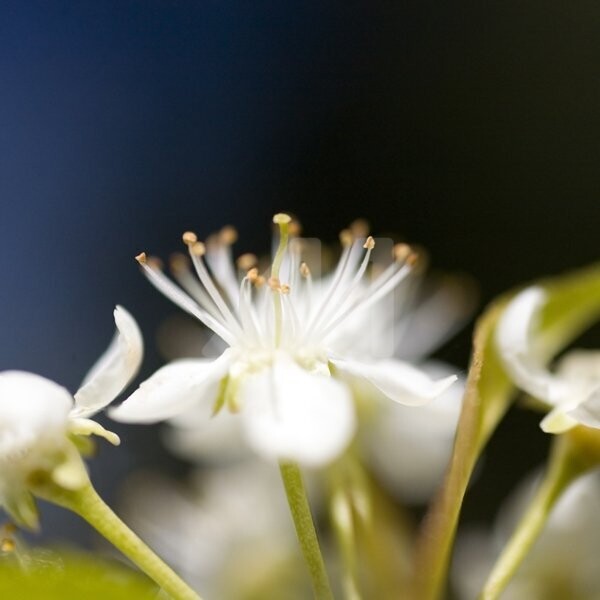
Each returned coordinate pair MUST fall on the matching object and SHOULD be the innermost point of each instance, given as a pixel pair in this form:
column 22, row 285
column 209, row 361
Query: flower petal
column 588, row 411
column 114, row 369
column 290, row 413
column 514, row 342
column 174, row 389
column 397, row 380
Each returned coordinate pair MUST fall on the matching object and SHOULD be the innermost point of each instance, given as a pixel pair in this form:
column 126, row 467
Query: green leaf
column 49, row 576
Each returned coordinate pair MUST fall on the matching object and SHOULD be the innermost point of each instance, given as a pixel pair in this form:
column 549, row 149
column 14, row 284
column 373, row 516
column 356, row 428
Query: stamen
column 346, row 238
column 247, row 261
column 369, row 243
column 197, row 249
column 228, row 235
column 189, row 238
column 359, row 228
column 304, row 270
column 401, row 252
column 164, row 285
column 141, row 258
column 283, row 221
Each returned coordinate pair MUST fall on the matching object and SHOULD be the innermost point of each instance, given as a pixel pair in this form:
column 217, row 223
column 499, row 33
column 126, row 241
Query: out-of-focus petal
column 397, row 380
column 520, row 358
column 290, row 413
column 174, row 389
column 114, row 369
column 409, row 447
column 587, row 412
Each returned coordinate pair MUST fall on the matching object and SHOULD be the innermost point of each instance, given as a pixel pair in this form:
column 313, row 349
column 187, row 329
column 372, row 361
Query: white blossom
column 288, row 357
column 561, row 564
column 38, row 418
column 226, row 543
column 572, row 390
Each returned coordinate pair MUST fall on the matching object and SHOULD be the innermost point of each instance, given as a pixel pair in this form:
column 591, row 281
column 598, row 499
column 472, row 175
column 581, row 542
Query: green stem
column 87, row 504
column 305, row 529
column 343, row 523
column 564, row 467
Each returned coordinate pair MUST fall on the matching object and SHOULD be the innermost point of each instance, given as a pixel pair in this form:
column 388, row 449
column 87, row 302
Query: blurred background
column 470, row 128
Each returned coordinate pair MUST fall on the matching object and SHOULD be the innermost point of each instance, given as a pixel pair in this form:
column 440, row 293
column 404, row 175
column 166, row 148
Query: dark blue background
column 471, row 128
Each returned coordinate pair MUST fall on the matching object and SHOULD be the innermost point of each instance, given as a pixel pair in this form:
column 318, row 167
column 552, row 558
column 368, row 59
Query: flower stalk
column 86, row 502
column 305, row 529
column 566, row 465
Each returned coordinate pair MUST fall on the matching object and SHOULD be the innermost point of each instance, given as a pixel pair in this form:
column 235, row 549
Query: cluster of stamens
column 231, row 298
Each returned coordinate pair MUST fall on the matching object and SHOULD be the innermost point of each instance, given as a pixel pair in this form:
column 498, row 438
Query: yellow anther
column 198, row 249
column 274, row 283
column 369, row 243
column 284, row 288
column 304, row 270
column 141, row 258
column 402, row 252
column 246, row 261
column 252, row 275
column 412, row 259
column 7, row 545
column 260, row 281
column 189, row 238
column 179, row 262
column 346, row 237
column 228, row 235
column 295, row 228
column 359, row 228
column 154, row 262
column 282, row 219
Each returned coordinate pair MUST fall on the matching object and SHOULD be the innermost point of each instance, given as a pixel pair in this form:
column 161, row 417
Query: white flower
column 573, row 391
column 561, row 564
column 225, row 543
column 285, row 363
column 38, row 416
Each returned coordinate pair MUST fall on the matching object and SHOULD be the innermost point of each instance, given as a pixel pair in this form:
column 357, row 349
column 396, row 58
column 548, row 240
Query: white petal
column 588, row 412
column 514, row 340
column 291, row 414
column 114, row 369
column 558, row 420
column 174, row 389
column 397, row 380
column 33, row 415
column 409, row 447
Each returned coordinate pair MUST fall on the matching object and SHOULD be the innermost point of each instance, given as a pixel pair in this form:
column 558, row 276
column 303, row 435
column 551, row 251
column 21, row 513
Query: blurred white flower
column 289, row 350
column 228, row 532
column 38, row 416
column 572, row 391
column 563, row 561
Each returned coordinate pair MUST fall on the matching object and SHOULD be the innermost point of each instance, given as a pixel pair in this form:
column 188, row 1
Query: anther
column 189, row 238
column 282, row 219
column 346, row 237
column 369, row 243
column 198, row 249
column 252, row 275
column 246, row 261
column 228, row 235
column 274, row 283
column 284, row 288
column 402, row 252
column 304, row 270
column 7, row 545
column 153, row 262
column 178, row 262
column 412, row 259
column 141, row 258
column 359, row 228
column 295, row 228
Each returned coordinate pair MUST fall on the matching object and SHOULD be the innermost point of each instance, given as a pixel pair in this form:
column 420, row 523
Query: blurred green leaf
column 50, row 576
